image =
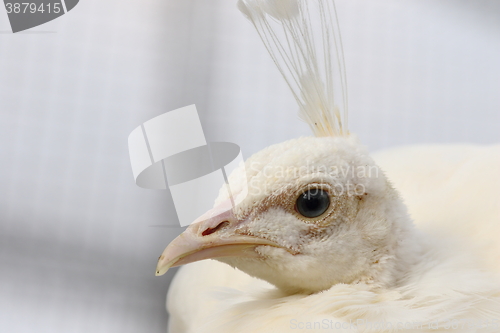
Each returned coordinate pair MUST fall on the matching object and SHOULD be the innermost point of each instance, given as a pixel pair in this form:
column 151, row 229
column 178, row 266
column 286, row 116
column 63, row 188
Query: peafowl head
column 319, row 212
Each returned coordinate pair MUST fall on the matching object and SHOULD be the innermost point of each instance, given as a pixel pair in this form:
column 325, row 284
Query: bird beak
column 203, row 240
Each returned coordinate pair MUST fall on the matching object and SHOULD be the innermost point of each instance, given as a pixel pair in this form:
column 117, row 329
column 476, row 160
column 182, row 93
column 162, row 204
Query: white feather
column 303, row 39
column 375, row 267
column 457, row 276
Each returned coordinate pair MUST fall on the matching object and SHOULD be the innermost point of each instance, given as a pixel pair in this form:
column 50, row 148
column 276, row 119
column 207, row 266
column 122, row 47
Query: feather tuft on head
column 279, row 9
column 303, row 39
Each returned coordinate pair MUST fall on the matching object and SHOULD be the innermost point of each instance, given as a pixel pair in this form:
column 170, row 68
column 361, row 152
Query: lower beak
column 203, row 240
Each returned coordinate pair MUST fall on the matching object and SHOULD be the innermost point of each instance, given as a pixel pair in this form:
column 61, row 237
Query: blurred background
column 79, row 240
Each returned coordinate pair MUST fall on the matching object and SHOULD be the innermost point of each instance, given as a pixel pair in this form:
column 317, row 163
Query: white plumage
column 455, row 275
column 323, row 242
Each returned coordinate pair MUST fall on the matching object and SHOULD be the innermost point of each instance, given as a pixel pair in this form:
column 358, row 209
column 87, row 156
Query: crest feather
column 303, row 39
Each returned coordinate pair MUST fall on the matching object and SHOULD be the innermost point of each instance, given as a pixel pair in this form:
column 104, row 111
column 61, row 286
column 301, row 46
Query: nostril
column 210, row 231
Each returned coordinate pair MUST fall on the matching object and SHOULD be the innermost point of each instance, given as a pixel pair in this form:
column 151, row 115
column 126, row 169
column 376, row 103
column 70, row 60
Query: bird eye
column 312, row 203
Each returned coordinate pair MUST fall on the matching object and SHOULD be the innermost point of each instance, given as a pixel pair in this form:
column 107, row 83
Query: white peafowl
column 323, row 241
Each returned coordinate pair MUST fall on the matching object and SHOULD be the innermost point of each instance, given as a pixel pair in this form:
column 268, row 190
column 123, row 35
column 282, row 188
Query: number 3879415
column 30, row 7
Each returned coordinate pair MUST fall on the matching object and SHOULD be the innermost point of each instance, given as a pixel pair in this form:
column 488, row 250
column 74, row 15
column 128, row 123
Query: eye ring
column 312, row 203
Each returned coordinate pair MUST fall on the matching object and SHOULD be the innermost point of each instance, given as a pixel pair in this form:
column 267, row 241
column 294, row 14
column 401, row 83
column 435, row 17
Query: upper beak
column 203, row 240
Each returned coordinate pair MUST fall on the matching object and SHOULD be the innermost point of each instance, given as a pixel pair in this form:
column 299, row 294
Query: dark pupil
column 313, row 203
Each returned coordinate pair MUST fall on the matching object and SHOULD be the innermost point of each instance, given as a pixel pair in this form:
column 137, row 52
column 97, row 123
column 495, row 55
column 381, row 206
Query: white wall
column 77, row 250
